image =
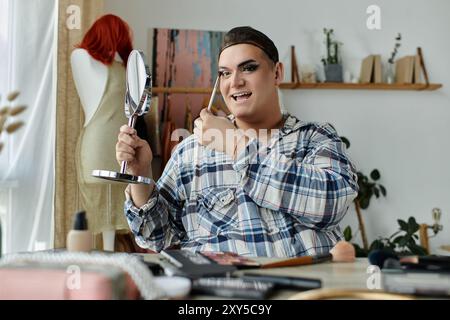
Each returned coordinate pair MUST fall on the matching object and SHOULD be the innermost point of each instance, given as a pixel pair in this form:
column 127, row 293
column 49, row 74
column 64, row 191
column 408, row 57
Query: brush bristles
column 343, row 252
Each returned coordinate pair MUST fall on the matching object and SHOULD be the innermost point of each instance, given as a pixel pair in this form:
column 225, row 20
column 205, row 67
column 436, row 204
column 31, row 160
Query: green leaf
column 413, row 226
column 403, row 241
column 375, row 174
column 403, row 225
column 360, row 252
column 364, row 202
column 419, row 250
column 348, row 234
column 376, row 192
column 376, row 245
column 391, row 247
column 362, row 177
column 383, row 190
column 363, row 190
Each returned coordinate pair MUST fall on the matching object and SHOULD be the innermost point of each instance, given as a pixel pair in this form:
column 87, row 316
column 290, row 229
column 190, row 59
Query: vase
column 333, row 73
column 390, row 73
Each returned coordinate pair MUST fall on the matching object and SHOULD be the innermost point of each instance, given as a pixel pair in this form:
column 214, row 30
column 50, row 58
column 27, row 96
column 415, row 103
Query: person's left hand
column 216, row 132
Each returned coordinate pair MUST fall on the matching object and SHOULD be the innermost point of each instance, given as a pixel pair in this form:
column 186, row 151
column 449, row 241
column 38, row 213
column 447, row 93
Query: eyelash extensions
column 245, row 68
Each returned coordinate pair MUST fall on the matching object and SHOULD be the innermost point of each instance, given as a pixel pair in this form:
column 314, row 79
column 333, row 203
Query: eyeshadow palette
column 233, row 259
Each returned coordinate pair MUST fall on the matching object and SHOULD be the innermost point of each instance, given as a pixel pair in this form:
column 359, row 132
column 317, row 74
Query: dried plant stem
column 2, row 122
column 361, row 225
column 4, row 110
column 14, row 126
column 12, row 95
column 17, row 110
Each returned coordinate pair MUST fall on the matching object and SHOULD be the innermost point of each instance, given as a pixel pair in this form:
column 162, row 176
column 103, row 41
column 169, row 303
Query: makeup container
column 79, row 239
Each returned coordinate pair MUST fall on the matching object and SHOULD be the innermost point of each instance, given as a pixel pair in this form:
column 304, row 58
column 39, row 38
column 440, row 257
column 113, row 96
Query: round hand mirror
column 139, row 84
column 137, row 102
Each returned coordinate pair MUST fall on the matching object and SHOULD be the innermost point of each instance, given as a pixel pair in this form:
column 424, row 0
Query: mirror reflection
column 138, row 95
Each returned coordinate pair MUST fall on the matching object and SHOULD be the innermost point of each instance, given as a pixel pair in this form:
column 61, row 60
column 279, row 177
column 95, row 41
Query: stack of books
column 408, row 70
column 371, row 69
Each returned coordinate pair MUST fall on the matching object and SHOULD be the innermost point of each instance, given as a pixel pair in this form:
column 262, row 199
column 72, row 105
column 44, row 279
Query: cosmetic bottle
column 79, row 239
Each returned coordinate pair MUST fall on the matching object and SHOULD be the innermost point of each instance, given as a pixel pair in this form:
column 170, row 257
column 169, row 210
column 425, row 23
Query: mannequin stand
column 110, row 234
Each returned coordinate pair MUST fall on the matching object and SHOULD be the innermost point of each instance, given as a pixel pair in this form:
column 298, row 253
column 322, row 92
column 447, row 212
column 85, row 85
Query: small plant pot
column 333, row 73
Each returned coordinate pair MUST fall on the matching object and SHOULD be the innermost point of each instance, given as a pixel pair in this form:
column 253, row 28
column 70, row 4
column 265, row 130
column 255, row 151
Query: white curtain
column 27, row 160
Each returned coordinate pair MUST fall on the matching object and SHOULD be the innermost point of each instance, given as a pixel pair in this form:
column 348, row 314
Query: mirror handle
column 131, row 123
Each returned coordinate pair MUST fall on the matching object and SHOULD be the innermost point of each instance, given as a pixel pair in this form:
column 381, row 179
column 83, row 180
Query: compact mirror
column 137, row 102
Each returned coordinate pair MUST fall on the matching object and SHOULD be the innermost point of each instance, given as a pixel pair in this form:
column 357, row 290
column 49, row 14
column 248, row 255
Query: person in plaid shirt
column 256, row 183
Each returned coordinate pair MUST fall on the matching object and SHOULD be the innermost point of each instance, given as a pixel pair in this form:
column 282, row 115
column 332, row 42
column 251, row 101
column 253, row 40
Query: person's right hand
column 135, row 151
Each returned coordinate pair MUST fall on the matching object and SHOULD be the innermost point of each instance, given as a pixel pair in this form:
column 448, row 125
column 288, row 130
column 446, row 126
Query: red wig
column 108, row 35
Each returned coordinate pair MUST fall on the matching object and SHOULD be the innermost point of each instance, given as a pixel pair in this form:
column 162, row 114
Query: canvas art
column 188, row 59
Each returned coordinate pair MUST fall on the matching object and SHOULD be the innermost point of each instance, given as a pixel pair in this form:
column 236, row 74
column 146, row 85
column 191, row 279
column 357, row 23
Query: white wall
column 404, row 134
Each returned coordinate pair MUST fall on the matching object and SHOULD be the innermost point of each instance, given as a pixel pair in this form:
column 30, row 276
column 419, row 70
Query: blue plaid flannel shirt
column 286, row 201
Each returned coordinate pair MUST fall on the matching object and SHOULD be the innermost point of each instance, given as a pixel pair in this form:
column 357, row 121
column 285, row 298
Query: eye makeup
column 251, row 66
column 246, row 67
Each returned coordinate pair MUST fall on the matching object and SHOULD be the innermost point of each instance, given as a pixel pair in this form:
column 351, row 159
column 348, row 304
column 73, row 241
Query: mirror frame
column 146, row 96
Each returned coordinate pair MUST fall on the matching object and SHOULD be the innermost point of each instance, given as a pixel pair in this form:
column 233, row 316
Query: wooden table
column 352, row 276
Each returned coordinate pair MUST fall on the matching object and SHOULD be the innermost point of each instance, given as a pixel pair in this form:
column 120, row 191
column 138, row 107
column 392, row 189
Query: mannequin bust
column 98, row 68
column 85, row 67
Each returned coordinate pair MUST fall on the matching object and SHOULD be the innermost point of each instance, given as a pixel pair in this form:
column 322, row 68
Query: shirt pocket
column 217, row 212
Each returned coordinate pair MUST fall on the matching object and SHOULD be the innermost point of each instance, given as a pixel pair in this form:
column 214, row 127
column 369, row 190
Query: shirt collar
column 290, row 124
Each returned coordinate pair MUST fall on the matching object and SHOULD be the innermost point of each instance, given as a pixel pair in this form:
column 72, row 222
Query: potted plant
column 332, row 65
column 402, row 241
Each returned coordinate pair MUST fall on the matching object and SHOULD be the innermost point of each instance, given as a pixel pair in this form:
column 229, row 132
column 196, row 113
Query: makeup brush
column 213, row 94
column 342, row 252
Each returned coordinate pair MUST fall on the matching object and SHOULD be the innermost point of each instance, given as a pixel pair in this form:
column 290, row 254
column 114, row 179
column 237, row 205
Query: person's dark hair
column 251, row 36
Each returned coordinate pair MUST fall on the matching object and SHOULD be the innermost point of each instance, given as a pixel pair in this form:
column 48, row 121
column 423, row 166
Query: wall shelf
column 362, row 86
column 326, row 85
column 157, row 90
